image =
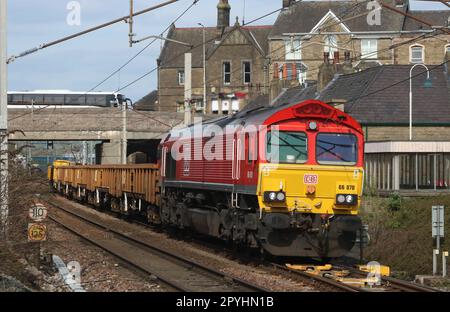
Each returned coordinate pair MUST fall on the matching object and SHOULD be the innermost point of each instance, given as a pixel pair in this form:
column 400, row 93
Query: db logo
column 37, row 232
column 310, row 179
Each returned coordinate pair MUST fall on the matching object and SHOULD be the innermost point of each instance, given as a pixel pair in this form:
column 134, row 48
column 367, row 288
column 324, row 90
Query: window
column 292, row 147
column 181, row 77
column 226, row 72
column 215, row 106
column 417, row 54
column 447, row 49
column 247, row 72
column 76, row 99
column 369, row 48
column 293, row 49
column 54, row 99
column 331, row 45
column 96, row 100
column 199, row 106
column 300, row 71
column 33, row 99
column 17, row 98
column 334, row 148
column 225, row 107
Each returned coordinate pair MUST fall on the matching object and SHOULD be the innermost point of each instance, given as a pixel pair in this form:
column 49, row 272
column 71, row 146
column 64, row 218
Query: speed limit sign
column 38, row 213
column 37, row 232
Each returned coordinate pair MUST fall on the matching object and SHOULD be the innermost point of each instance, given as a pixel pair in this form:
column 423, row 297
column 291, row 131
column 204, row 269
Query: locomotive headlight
column 349, row 199
column 340, row 199
column 281, row 196
column 346, row 199
column 272, row 196
column 312, row 125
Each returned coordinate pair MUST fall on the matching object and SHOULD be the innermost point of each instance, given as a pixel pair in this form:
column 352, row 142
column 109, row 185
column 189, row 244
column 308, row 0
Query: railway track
column 326, row 283
column 342, row 278
column 392, row 284
column 175, row 271
column 325, row 280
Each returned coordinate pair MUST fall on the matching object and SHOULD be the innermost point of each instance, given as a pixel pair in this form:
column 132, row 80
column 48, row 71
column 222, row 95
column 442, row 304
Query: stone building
column 378, row 98
column 305, row 30
column 236, row 65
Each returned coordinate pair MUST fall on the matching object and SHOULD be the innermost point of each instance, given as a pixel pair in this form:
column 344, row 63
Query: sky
column 82, row 63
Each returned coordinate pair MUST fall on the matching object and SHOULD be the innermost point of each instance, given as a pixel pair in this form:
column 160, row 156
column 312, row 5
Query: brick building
column 236, row 66
column 305, row 30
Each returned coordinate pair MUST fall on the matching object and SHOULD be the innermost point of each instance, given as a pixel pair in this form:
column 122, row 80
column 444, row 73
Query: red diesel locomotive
column 287, row 180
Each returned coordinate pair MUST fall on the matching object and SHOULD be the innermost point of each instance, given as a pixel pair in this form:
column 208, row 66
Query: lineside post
column 3, row 121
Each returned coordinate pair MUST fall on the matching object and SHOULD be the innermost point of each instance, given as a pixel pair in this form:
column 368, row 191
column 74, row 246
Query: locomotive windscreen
column 291, row 147
column 334, row 148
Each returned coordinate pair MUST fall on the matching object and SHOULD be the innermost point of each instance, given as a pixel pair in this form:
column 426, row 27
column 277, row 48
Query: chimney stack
column 287, row 3
column 347, row 68
column 223, row 14
column 326, row 72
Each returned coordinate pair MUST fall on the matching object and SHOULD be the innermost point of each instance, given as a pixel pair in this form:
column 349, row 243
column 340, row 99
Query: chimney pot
column 347, row 56
column 336, row 57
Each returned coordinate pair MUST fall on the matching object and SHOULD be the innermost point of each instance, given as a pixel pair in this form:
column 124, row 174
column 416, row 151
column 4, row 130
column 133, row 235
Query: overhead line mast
column 4, row 194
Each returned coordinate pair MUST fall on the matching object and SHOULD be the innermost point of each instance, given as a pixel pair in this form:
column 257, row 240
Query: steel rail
column 167, row 282
column 318, row 278
column 168, row 254
column 393, row 282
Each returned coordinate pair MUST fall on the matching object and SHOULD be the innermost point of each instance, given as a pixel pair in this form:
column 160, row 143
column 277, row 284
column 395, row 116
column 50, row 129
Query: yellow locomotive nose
column 325, row 190
column 310, row 190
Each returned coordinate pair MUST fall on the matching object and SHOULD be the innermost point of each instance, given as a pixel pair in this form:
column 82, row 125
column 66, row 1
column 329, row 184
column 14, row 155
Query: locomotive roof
column 258, row 115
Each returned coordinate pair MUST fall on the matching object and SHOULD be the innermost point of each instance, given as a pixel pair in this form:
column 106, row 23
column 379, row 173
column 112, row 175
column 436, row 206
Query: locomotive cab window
column 337, row 149
column 287, row 147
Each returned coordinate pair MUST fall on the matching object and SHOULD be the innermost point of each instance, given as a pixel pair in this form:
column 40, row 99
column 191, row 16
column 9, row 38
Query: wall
column 172, row 93
column 434, row 48
column 236, row 48
column 374, row 133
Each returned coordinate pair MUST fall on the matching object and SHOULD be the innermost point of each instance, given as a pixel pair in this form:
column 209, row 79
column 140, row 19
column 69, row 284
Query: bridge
column 144, row 129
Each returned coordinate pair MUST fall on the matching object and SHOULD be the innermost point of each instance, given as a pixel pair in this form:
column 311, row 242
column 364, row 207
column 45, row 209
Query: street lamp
column 204, row 68
column 428, row 84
